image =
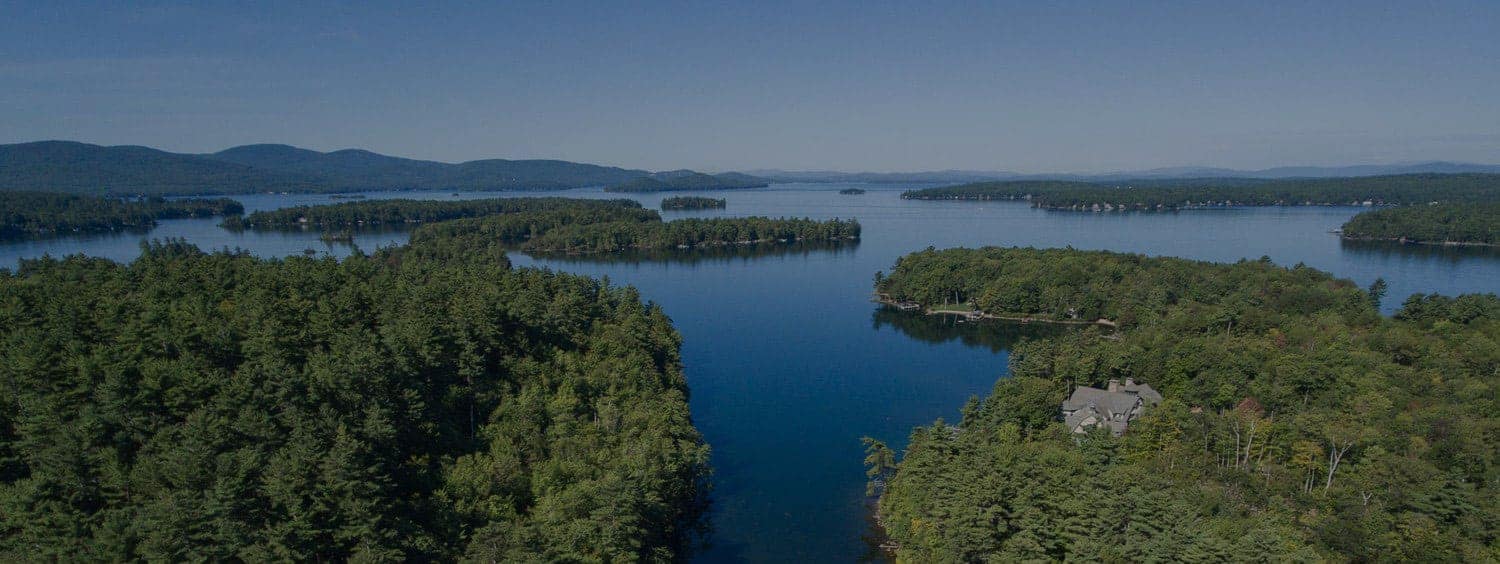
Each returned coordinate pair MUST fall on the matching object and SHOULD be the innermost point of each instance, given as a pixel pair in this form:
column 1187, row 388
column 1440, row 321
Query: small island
column 852, row 191
column 42, row 214
column 680, row 180
column 692, row 203
column 1448, row 224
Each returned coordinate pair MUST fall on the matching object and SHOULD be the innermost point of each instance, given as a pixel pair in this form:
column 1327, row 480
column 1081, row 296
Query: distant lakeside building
column 1113, row 407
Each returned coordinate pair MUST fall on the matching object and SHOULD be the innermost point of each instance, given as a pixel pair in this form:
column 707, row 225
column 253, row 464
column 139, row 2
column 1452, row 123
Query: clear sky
column 1024, row 86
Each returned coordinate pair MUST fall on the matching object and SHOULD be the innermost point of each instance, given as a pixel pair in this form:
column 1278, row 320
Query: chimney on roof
column 1129, row 381
column 1114, row 385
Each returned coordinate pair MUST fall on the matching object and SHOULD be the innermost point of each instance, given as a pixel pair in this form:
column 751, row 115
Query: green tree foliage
column 691, row 203
column 1470, row 223
column 194, row 406
column 28, row 214
column 1401, row 189
column 1308, row 429
column 550, row 225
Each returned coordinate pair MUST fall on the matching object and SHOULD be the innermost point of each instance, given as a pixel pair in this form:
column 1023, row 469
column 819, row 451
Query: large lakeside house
column 1113, row 407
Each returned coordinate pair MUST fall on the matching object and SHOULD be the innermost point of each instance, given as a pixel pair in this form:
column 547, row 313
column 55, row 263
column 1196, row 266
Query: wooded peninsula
column 415, row 404
column 1447, row 224
column 1298, row 423
column 33, row 214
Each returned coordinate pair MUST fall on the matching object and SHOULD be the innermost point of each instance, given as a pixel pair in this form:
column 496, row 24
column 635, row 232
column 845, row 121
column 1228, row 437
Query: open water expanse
column 789, row 361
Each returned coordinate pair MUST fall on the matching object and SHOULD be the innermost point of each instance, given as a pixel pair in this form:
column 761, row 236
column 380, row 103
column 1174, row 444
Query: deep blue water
column 790, row 363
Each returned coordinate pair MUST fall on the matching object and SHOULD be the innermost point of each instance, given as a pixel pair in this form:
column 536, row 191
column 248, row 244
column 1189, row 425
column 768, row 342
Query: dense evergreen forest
column 417, row 404
column 1299, row 424
column 568, row 231
column 1405, row 189
column 552, row 224
column 1473, row 224
column 373, row 213
column 692, row 203
column 678, row 180
column 30, row 214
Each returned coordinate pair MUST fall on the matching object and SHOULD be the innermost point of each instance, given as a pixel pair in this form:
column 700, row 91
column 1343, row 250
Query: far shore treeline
column 1299, row 425
column 1405, row 189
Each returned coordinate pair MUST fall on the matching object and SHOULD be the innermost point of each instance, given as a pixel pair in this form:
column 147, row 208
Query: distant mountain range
column 66, row 166
column 82, row 168
column 965, row 176
column 674, row 180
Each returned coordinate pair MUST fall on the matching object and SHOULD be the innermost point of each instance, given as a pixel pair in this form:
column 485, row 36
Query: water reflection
column 996, row 335
column 1442, row 253
column 714, row 254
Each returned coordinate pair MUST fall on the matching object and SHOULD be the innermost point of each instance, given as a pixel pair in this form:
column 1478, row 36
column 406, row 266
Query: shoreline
column 1002, row 317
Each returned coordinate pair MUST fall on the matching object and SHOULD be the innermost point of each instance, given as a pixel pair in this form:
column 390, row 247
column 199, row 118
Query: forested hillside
column 678, row 180
column 1299, row 425
column 31, row 214
column 81, row 168
column 1171, row 194
column 1473, row 224
column 220, row 407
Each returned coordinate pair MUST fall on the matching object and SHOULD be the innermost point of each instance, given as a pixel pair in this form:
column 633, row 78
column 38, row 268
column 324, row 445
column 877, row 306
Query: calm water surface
column 790, row 363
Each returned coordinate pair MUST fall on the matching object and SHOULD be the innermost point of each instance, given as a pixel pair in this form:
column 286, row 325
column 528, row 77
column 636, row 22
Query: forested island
column 692, row 203
column 565, row 225
column 679, row 180
column 33, row 214
column 567, row 231
column 852, row 191
column 1447, row 224
column 1172, row 194
column 1298, row 424
column 372, row 213
column 413, row 405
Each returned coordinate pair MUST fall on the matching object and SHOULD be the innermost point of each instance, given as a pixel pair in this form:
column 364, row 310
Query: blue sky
column 1025, row 86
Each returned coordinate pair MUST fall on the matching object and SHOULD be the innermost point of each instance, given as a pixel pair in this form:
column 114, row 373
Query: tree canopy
column 691, row 203
column 1299, row 425
column 1472, row 223
column 416, row 404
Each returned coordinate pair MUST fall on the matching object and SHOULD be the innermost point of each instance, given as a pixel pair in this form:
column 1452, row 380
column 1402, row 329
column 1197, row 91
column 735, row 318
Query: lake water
column 790, row 363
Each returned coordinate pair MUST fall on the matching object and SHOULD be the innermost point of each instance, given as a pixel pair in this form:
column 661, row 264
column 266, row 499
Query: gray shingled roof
column 1110, row 409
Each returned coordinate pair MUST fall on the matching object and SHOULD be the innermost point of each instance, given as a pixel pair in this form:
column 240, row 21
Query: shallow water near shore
column 790, row 362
